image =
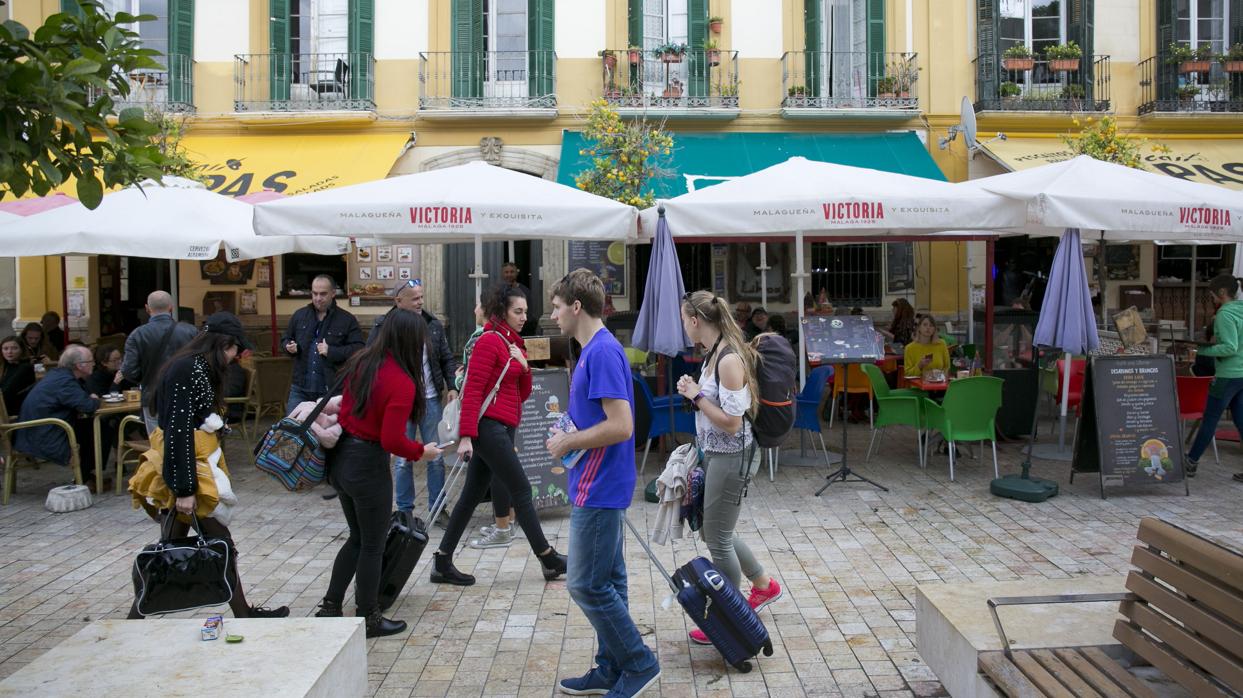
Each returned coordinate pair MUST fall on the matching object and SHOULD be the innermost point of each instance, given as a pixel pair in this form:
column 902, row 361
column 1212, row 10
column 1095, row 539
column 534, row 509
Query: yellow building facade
column 301, row 95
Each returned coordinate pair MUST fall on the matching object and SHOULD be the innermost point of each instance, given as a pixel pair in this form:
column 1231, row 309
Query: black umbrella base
column 1023, row 489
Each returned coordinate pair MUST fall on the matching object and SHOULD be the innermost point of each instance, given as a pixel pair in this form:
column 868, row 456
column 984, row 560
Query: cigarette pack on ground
column 213, row 627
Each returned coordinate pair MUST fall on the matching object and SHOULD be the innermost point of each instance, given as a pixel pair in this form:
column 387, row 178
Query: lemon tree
column 625, row 157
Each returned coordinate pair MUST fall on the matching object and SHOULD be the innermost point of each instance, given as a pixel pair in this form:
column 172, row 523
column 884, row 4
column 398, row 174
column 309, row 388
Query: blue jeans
column 1225, row 392
column 403, row 470
column 298, row 396
column 596, row 580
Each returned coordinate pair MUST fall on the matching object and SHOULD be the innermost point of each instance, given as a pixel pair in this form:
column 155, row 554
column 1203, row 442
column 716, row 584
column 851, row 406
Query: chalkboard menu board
column 846, row 337
column 550, row 396
column 1130, row 432
column 606, row 259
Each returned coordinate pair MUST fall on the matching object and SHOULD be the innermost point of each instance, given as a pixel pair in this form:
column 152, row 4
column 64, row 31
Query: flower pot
column 635, row 56
column 672, row 92
column 886, row 95
column 1194, row 66
column 610, row 61
column 714, row 56
column 904, row 94
column 714, row 27
column 1018, row 63
column 612, row 94
column 1064, row 65
column 1232, row 66
column 671, row 57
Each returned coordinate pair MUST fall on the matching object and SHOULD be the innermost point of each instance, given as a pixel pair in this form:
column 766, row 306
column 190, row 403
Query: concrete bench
column 160, row 658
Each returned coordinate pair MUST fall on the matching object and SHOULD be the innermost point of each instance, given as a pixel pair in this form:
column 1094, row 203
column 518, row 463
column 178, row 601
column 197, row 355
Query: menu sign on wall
column 550, row 396
column 1130, row 432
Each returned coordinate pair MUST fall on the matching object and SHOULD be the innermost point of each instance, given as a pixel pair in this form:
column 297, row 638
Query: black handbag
column 182, row 574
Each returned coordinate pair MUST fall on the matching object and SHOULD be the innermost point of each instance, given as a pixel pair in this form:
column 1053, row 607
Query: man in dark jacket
column 439, row 367
column 60, row 395
column 149, row 346
column 321, row 337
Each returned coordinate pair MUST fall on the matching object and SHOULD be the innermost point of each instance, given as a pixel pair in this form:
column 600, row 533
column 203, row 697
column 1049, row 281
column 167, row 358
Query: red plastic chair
column 1192, row 398
column 1078, row 368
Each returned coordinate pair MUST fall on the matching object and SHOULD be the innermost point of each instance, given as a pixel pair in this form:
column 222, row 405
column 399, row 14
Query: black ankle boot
column 379, row 626
column 329, row 609
column 553, row 563
column 445, row 573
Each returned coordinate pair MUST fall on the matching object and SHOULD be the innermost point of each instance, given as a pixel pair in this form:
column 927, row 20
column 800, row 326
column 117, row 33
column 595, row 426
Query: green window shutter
column 280, row 65
column 541, row 43
column 1234, row 33
column 875, row 43
column 813, row 30
column 1079, row 28
column 1167, row 75
column 362, row 48
column 180, row 58
column 467, row 47
column 634, row 35
column 987, row 64
column 697, row 35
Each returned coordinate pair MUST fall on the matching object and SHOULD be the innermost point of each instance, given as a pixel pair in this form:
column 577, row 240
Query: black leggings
column 495, row 459
column 358, row 470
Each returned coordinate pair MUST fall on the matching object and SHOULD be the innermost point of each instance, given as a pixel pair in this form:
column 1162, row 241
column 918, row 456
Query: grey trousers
column 723, row 483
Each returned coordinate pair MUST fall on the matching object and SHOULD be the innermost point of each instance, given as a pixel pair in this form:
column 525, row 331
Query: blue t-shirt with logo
column 604, row 477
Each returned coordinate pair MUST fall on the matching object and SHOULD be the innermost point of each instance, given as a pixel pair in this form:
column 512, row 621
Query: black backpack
column 777, row 376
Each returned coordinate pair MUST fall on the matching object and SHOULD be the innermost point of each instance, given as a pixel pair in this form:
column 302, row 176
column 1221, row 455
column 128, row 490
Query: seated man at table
column 61, row 395
column 926, row 350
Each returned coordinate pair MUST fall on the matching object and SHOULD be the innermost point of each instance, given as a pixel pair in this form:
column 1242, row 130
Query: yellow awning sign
column 1206, row 161
column 292, row 164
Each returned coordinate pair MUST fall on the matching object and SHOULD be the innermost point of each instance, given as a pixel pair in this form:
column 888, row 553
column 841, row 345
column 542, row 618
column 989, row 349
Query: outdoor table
column 107, row 409
column 927, row 387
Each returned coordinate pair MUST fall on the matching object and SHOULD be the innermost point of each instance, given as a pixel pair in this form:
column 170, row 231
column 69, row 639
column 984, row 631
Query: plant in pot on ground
column 1232, row 60
column 671, row 52
column 1010, row 91
column 1188, row 93
column 1018, row 57
column 886, row 87
column 1064, row 57
column 714, row 24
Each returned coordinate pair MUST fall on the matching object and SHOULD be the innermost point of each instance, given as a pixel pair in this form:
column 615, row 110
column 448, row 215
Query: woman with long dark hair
column 498, row 382
column 36, row 345
column 383, row 393
column 188, row 397
column 902, row 325
column 17, row 376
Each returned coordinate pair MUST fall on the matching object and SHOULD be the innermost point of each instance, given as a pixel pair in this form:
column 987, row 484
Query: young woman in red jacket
column 383, row 391
column 487, row 433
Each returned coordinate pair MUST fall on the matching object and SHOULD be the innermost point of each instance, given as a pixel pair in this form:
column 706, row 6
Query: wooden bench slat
column 1117, row 672
column 1094, row 677
column 1211, row 560
column 1191, row 678
column 1046, row 682
column 1063, row 673
column 1188, row 581
column 1187, row 646
column 1007, row 677
column 1229, row 639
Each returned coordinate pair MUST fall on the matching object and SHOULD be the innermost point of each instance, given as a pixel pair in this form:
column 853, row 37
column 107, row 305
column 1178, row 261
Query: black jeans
column 494, row 458
column 358, row 470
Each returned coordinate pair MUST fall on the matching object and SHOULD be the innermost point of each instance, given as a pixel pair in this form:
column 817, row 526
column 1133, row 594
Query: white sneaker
column 497, row 538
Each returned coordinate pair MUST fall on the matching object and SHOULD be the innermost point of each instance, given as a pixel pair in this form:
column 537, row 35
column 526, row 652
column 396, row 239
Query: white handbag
column 450, row 425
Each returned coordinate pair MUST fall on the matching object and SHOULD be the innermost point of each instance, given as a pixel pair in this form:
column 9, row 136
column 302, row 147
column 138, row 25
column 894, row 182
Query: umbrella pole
column 970, row 307
column 1061, row 429
column 1191, row 309
column 64, row 295
column 763, row 269
column 1100, row 280
column 801, row 275
column 478, row 275
column 173, row 283
column 272, row 300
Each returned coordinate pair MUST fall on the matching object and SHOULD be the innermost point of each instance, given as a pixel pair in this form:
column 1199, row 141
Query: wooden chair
column 243, row 400
column 269, row 389
column 14, row 459
column 128, row 447
column 1183, row 615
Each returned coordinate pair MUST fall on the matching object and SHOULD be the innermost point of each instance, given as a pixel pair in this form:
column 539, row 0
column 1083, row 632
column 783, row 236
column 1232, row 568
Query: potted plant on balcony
column 610, row 59
column 1073, row 92
column 1189, row 60
column 796, row 96
column 1188, row 93
column 714, row 24
column 673, row 90
column 1010, row 92
column 670, row 52
column 1064, row 58
column 635, row 54
column 1018, row 57
column 712, row 53
column 1232, row 60
column 886, row 88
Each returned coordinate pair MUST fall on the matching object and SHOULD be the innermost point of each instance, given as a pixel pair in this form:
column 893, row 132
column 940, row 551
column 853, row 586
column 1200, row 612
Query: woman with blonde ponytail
column 726, row 397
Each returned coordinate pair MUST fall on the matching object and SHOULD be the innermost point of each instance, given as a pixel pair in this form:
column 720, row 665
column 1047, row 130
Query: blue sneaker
column 631, row 685
column 593, row 683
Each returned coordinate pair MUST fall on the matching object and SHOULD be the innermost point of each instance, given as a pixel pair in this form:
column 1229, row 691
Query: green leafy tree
column 57, row 108
column 174, row 159
column 1101, row 140
column 625, row 156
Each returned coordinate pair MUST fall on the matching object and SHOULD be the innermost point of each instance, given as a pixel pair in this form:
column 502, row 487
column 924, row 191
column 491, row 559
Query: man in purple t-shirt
column 601, row 487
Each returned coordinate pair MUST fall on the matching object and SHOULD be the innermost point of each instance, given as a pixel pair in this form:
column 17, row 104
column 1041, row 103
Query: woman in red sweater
column 383, row 392
column 497, row 383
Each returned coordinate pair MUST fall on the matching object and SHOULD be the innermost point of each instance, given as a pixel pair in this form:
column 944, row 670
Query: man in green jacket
column 1227, row 389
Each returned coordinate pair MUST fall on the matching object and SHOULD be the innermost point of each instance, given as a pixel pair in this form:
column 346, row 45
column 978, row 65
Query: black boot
column 264, row 612
column 553, row 563
column 379, row 626
column 445, row 573
column 329, row 609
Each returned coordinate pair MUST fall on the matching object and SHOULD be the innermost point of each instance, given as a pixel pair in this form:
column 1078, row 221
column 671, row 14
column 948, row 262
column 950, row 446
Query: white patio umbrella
column 8, row 218
column 475, row 201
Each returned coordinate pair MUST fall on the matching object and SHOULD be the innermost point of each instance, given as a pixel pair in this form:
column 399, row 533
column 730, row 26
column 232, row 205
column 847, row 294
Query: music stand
column 843, row 341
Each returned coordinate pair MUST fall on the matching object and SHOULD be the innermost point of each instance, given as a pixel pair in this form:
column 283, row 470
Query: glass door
column 505, row 34
column 664, row 22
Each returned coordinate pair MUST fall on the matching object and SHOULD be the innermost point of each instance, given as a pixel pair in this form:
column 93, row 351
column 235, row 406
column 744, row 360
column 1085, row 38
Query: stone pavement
column 849, row 561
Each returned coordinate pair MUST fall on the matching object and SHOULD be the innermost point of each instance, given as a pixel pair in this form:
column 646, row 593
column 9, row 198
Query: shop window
column 851, row 274
column 298, row 270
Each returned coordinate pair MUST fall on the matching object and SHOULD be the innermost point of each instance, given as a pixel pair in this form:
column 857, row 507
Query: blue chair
column 656, row 411
column 807, row 409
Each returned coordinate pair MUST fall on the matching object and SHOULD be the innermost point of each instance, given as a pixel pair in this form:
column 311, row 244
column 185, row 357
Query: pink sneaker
column 698, row 637
column 760, row 598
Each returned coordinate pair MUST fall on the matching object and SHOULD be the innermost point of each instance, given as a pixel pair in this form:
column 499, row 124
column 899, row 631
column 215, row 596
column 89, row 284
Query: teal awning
column 703, row 159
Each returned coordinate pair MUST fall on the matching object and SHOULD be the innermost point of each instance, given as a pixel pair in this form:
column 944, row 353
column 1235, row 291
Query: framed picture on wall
column 384, row 273
column 248, row 303
column 364, row 273
column 384, row 253
column 405, row 254
column 263, row 273
column 364, row 255
column 405, row 273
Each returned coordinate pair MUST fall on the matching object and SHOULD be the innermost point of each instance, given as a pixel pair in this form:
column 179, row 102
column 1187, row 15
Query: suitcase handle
column 652, row 556
column 442, row 501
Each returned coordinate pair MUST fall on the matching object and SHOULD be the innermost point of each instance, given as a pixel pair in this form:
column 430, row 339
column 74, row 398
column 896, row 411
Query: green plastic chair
column 900, row 407
column 968, row 413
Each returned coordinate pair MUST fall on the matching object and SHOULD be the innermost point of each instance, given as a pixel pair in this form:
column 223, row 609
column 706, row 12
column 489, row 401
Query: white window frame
column 1193, row 30
column 674, row 16
column 1052, row 79
column 500, row 80
column 317, row 68
column 841, row 75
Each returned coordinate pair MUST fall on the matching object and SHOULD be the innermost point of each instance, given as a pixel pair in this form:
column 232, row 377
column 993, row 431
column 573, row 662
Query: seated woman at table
column 902, row 325
column 17, row 376
column 926, row 351
column 106, row 378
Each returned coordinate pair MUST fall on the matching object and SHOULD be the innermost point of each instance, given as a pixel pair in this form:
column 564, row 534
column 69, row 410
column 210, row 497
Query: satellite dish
column 966, row 125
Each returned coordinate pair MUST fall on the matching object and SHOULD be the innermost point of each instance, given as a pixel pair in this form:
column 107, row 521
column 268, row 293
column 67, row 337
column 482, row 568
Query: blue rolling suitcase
column 717, row 608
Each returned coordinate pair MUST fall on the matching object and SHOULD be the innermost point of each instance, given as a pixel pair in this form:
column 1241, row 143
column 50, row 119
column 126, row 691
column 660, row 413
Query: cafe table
column 108, row 409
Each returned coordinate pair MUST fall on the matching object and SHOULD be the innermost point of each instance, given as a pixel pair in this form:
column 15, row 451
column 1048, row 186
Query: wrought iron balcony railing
column 1040, row 84
column 701, row 79
column 1170, row 86
column 488, row 80
column 168, row 90
column 304, row 82
column 849, row 80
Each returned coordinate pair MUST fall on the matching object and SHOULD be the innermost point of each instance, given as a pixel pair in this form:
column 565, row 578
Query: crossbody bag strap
column 487, row 402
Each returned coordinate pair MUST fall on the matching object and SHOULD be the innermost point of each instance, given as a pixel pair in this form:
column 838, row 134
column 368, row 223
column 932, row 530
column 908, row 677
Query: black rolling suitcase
column 407, row 539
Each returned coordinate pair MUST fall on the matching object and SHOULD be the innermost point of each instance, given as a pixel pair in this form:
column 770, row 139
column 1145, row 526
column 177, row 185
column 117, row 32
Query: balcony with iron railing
column 170, row 90
column 474, row 84
column 294, row 82
column 1041, row 84
column 1172, row 86
column 849, row 84
column 697, row 84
